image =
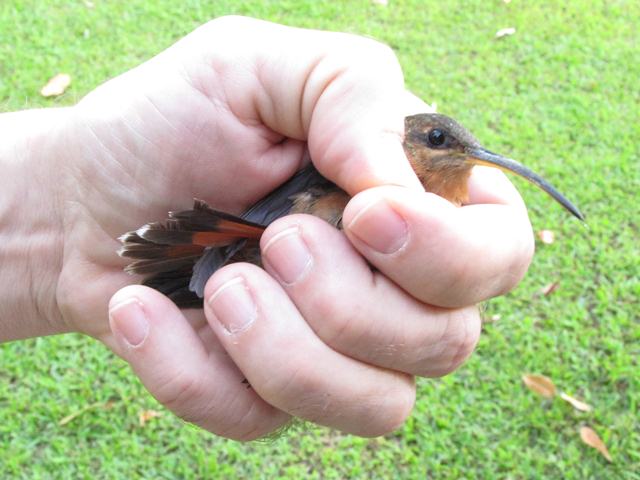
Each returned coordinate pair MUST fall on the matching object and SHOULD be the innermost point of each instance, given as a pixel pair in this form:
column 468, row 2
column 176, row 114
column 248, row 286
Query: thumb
column 344, row 94
column 357, row 128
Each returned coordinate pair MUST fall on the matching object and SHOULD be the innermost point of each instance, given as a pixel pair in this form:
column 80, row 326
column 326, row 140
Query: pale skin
column 226, row 115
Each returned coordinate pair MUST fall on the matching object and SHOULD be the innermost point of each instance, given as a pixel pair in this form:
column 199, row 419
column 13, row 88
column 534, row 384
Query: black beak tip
column 578, row 214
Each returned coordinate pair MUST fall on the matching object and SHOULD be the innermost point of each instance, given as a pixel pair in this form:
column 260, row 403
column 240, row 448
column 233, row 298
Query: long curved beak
column 480, row 156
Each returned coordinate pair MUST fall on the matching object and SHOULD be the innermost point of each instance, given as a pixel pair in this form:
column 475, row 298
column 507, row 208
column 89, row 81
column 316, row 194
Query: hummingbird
column 179, row 254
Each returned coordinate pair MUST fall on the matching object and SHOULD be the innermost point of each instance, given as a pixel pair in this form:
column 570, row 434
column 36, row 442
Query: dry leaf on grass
column 491, row 318
column 591, row 438
column 546, row 236
column 549, row 288
column 56, row 86
column 505, row 32
column 74, row 415
column 146, row 415
column 540, row 384
column 577, row 404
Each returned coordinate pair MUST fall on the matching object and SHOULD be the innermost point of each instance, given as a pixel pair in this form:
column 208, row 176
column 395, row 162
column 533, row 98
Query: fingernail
column 380, row 227
column 288, row 255
column 233, row 306
column 129, row 322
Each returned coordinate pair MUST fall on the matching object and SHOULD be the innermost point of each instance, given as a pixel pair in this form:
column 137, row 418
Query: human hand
column 226, row 115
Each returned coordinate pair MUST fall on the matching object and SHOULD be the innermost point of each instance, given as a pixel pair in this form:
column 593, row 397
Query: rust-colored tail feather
column 179, row 241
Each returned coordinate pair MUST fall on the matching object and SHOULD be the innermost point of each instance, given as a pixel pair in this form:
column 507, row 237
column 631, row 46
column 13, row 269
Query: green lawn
column 562, row 95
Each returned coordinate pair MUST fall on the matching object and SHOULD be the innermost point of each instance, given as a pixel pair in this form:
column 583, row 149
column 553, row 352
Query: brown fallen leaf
column 540, row 384
column 591, row 438
column 549, row 288
column 505, row 32
column 56, row 85
column 146, row 415
column 577, row 404
column 547, row 236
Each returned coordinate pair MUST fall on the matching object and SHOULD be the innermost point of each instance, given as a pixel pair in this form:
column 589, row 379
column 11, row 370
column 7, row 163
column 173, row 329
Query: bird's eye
column 436, row 137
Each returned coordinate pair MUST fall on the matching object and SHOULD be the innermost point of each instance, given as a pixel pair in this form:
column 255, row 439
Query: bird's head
column 443, row 152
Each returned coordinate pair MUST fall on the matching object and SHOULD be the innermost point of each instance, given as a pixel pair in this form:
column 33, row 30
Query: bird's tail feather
column 169, row 250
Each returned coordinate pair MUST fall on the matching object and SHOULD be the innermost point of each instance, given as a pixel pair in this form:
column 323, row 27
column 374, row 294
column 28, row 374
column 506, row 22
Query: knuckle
column 293, row 389
column 387, row 413
column 313, row 406
column 397, row 411
column 457, row 342
column 243, row 426
column 190, row 398
column 368, row 410
column 182, row 393
column 370, row 415
column 465, row 337
column 461, row 338
column 334, row 324
column 338, row 316
column 517, row 268
column 300, row 394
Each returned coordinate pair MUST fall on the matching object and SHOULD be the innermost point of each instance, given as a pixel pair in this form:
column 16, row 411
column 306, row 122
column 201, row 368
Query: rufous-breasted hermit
column 179, row 254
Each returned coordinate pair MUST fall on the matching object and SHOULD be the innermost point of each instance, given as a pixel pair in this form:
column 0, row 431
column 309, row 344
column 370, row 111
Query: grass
column 561, row 94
